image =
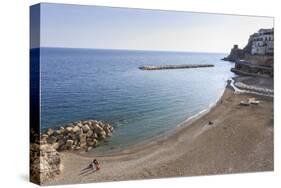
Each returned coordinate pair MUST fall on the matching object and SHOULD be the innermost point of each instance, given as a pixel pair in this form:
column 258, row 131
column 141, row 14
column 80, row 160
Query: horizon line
column 125, row 49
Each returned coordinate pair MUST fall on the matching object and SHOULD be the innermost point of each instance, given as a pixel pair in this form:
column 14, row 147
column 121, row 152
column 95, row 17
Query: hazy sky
column 119, row 28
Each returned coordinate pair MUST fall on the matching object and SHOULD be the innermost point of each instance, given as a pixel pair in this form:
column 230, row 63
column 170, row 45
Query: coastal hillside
column 256, row 58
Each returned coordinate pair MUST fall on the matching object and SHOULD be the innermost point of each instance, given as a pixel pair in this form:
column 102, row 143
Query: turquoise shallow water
column 107, row 85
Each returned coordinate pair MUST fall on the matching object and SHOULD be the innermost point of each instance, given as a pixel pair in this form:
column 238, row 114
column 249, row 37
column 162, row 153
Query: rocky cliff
column 235, row 54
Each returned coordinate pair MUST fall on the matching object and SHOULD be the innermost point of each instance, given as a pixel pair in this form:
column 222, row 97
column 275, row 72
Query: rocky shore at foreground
column 81, row 135
column 45, row 156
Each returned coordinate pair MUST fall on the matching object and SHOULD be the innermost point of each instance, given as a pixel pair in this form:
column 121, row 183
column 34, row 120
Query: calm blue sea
column 107, row 85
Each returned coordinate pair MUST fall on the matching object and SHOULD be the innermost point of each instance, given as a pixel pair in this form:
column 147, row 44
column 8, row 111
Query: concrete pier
column 182, row 66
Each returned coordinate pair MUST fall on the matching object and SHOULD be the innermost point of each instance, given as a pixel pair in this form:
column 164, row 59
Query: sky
column 76, row 26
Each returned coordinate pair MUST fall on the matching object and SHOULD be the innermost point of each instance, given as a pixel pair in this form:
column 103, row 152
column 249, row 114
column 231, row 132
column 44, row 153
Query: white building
column 262, row 42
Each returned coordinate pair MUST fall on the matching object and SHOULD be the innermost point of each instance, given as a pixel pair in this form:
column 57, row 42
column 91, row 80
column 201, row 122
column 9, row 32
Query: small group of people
column 95, row 166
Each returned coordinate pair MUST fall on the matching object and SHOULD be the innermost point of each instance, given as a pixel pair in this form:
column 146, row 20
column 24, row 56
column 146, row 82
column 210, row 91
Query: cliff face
column 235, row 54
column 259, row 60
column 253, row 63
column 247, row 49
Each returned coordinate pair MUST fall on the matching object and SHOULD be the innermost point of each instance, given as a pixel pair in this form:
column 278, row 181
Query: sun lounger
column 244, row 103
column 253, row 101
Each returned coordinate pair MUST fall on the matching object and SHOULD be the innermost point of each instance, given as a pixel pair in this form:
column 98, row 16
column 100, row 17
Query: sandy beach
column 239, row 140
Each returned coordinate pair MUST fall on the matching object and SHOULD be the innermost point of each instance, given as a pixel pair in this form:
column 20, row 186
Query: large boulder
column 85, row 128
column 61, row 143
column 90, row 133
column 76, row 129
column 69, row 125
column 71, row 136
column 57, row 133
column 62, row 130
column 83, row 141
column 55, row 146
column 79, row 124
column 101, row 135
column 108, row 129
column 95, row 135
column 52, row 139
column 92, row 142
column 97, row 128
column 68, row 144
column 49, row 131
column 68, row 129
column 43, row 139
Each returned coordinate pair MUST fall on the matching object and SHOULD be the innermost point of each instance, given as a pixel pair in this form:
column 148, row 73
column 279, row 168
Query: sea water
column 107, row 85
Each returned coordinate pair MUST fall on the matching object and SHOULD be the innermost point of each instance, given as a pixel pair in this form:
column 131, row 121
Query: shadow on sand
column 87, row 171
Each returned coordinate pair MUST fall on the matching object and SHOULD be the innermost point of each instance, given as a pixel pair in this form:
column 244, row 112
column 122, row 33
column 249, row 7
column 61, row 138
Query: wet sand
column 240, row 140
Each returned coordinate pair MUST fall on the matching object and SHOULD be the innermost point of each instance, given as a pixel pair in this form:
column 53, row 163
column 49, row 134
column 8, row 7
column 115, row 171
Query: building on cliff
column 259, row 44
column 256, row 58
column 262, row 43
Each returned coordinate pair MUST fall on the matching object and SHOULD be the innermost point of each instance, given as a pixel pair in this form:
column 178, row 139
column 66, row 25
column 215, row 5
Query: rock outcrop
column 235, row 54
column 45, row 159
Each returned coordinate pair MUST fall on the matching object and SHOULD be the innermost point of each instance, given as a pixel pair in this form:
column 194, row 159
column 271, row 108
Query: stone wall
column 259, row 59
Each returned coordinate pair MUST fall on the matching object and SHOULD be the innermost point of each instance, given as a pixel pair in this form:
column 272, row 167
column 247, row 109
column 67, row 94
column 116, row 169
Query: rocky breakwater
column 81, row 135
column 45, row 156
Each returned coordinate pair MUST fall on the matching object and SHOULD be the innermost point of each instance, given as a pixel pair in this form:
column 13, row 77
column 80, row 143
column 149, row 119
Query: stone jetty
column 45, row 157
column 182, row 66
column 81, row 135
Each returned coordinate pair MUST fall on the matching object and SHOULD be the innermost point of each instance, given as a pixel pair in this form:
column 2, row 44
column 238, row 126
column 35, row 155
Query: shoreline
column 164, row 136
column 231, row 145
